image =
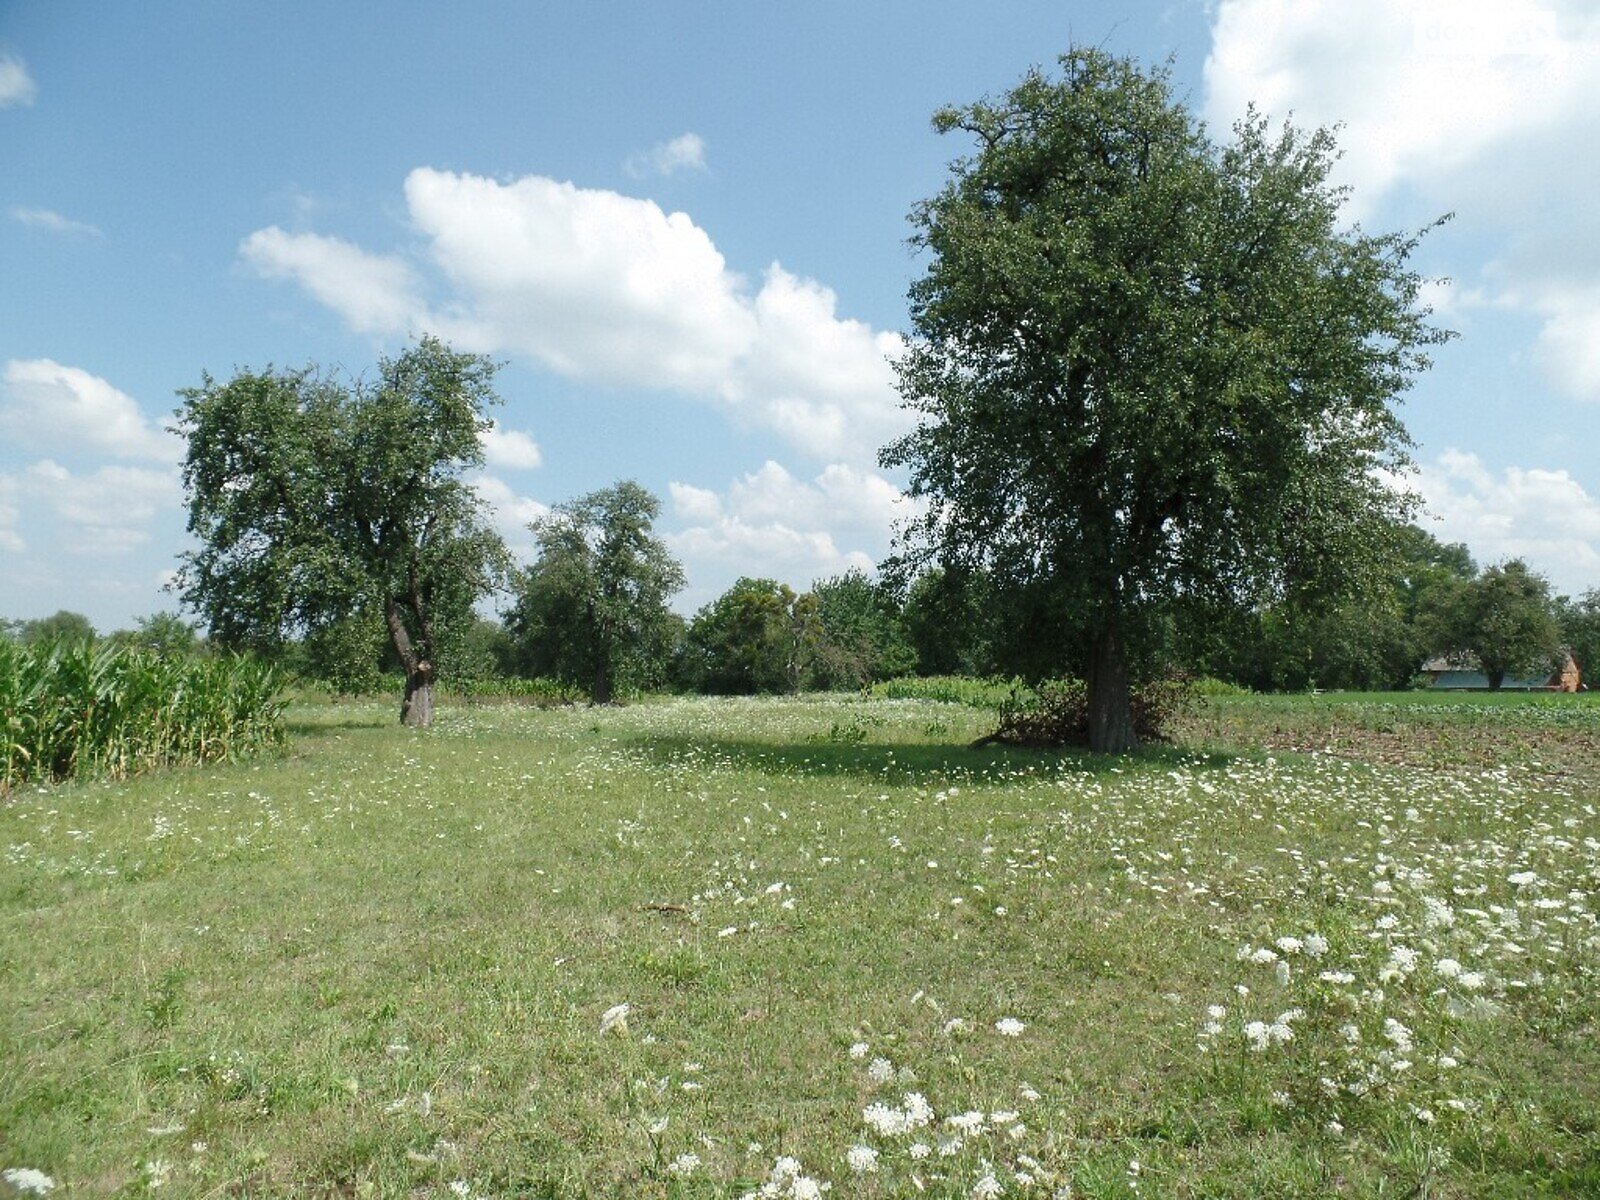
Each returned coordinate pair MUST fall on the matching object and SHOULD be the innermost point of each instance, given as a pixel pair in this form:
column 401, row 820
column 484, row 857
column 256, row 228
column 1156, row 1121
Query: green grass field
column 1323, row 946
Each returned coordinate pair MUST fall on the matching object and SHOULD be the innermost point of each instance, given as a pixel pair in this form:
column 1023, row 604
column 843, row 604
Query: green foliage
column 63, row 626
column 481, row 649
column 350, row 656
column 1375, row 639
column 1055, row 712
column 1580, row 632
column 592, row 610
column 949, row 622
column 313, row 500
column 73, row 708
column 860, row 638
column 1153, row 374
column 541, row 693
column 165, row 633
column 1505, row 619
column 949, row 689
column 755, row 637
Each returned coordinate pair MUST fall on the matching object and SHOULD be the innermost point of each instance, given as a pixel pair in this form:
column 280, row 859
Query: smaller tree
column 62, row 626
column 861, row 637
column 758, row 636
column 592, row 610
column 166, row 634
column 1504, row 618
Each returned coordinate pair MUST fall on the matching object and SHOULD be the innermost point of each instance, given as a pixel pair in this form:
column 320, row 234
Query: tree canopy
column 592, row 609
column 1505, row 619
column 314, row 499
column 1153, row 375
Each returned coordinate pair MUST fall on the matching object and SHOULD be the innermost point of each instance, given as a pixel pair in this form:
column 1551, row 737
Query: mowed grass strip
column 395, row 963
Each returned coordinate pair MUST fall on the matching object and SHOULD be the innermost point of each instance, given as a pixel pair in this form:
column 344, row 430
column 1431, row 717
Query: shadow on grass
column 909, row 763
column 312, row 726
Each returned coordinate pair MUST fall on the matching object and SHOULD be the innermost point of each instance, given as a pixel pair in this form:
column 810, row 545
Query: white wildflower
column 885, row 1119
column 27, row 1179
column 863, row 1160
column 615, row 1019
column 1010, row 1026
column 918, row 1111
column 685, row 1164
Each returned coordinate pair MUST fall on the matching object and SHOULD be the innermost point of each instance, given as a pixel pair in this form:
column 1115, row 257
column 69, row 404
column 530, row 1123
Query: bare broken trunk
column 1110, row 698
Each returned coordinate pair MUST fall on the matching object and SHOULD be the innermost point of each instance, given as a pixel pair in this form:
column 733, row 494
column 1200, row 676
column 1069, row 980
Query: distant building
column 1463, row 674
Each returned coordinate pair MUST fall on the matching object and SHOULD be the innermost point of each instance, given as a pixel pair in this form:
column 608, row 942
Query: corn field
column 74, row 709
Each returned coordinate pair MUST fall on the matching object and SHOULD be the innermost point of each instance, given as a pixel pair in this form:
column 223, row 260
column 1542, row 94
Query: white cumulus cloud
column 53, row 222
column 16, row 85
column 1541, row 515
column 769, row 523
column 107, row 511
column 1479, row 106
column 611, row 289
column 686, row 152
column 510, row 512
column 373, row 293
column 59, row 408
column 10, row 517
column 511, row 449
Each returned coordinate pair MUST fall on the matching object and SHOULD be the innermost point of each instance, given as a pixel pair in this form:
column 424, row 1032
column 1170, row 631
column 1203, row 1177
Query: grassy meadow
column 782, row 947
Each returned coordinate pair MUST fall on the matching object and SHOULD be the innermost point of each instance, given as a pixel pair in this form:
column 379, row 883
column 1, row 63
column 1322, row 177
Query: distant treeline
column 851, row 631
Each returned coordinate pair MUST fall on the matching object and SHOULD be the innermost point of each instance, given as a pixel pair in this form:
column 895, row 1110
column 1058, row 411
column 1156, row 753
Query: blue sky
column 682, row 227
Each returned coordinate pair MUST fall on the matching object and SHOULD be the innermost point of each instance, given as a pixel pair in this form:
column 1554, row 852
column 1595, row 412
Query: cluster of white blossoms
column 887, row 1120
column 788, row 1181
column 27, row 1179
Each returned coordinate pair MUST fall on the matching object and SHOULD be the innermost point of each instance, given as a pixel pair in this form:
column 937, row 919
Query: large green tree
column 313, row 499
column 592, row 609
column 1153, row 374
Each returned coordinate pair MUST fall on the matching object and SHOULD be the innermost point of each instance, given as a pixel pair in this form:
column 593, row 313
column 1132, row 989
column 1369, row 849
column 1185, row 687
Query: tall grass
column 75, row 708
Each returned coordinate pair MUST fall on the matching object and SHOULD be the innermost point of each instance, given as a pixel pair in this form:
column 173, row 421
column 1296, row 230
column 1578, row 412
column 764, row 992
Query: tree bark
column 1496, row 678
column 416, row 708
column 1110, row 698
column 601, row 694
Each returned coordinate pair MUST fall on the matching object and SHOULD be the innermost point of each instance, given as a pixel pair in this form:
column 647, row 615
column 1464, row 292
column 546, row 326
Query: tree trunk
column 1496, row 678
column 417, row 707
column 1110, row 699
column 602, row 683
